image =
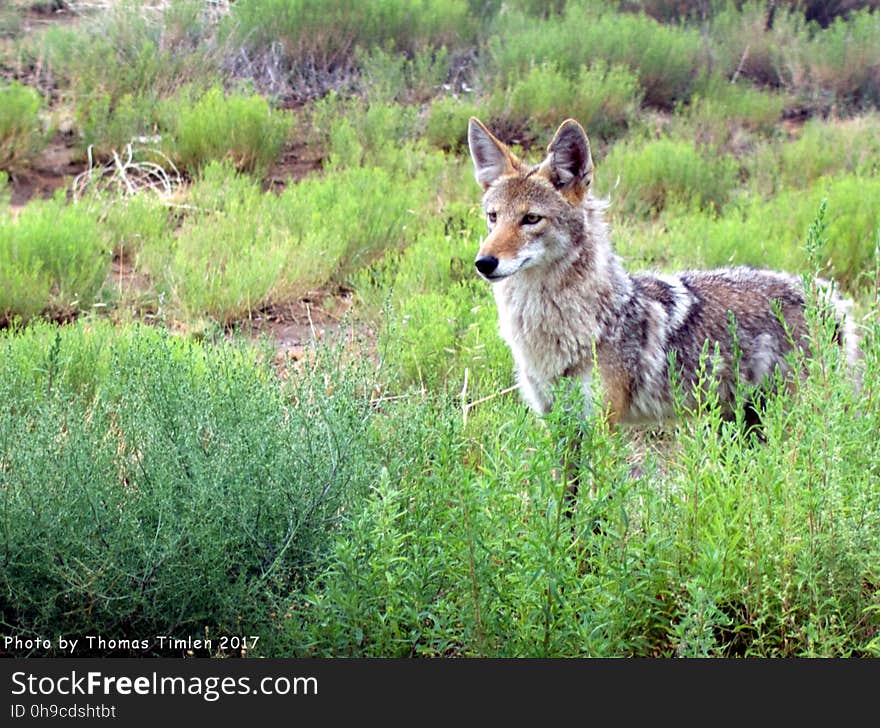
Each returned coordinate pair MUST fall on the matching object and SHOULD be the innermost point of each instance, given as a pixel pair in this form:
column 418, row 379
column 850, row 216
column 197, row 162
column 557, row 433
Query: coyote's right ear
column 492, row 158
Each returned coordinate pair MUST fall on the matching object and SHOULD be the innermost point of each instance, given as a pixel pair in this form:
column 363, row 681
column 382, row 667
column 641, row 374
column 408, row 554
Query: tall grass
column 23, row 133
column 721, row 114
column 117, row 65
column 215, row 126
column 667, row 60
column 53, row 259
column 767, row 233
column 721, row 547
column 153, row 486
column 241, row 248
column 644, row 178
column 823, row 149
column 323, row 35
column 602, row 98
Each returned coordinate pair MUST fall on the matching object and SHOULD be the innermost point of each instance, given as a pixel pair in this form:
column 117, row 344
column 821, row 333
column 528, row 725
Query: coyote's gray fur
column 567, row 307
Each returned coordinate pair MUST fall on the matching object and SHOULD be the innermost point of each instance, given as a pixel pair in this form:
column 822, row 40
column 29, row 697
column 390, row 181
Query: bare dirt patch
column 297, row 328
column 297, row 161
column 52, row 170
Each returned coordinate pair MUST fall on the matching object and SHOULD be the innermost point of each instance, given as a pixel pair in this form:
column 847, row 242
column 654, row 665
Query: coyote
column 567, row 307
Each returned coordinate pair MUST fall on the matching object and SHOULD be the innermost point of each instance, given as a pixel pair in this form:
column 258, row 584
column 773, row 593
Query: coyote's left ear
column 569, row 165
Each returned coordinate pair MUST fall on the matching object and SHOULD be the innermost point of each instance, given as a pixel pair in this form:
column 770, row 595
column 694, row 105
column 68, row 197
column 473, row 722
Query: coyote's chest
column 548, row 336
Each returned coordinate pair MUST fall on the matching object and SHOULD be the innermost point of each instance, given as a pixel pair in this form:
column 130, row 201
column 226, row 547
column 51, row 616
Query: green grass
column 23, row 132
column 152, row 485
column 767, row 233
column 324, row 34
column 602, row 98
column 723, row 547
column 722, row 113
column 823, row 149
column 214, row 126
column 116, row 66
column 645, row 177
column 53, row 260
column 666, row 59
column 240, row 249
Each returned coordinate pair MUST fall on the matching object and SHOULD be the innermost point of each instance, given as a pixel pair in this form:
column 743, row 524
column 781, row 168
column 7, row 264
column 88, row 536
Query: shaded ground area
column 297, row 328
column 52, row 170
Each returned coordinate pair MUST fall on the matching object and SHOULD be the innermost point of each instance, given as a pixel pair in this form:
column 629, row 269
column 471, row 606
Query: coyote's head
column 535, row 214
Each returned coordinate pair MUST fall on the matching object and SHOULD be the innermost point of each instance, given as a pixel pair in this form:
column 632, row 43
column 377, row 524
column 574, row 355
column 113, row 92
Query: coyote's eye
column 491, row 217
column 531, row 218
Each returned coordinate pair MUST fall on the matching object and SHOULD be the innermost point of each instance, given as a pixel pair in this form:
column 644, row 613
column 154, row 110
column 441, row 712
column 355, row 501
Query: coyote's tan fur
column 567, row 307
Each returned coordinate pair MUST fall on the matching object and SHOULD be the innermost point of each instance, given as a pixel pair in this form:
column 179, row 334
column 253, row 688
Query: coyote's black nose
column 486, row 264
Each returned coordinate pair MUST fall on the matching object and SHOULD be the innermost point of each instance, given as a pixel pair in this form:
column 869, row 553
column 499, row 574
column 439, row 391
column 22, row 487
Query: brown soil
column 297, row 328
column 53, row 169
column 297, row 161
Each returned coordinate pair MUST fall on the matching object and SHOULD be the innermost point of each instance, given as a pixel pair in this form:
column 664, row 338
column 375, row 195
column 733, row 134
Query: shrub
column 666, row 59
column 116, row 66
column 226, row 257
column 151, row 485
column 22, row 134
column 439, row 317
column 768, row 233
column 717, row 115
column 53, row 259
column 720, row 548
column 646, row 177
column 446, row 125
column 844, row 59
column 355, row 133
column 824, row 148
column 134, row 222
column 344, row 222
column 242, row 248
column 601, row 98
column 388, row 76
column 108, row 126
column 744, row 44
column 216, row 126
column 323, row 33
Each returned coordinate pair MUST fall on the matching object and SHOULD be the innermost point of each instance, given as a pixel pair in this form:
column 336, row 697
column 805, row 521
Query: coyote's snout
column 567, row 307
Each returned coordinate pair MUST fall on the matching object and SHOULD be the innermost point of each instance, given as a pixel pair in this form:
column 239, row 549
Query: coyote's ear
column 569, row 166
column 492, row 158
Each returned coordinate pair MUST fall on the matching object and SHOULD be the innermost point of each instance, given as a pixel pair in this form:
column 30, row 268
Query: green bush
column 53, row 259
column 155, row 486
column 241, row 249
column 439, row 316
column 602, row 98
column 844, row 59
column 22, row 133
column 720, row 548
column 227, row 256
column 108, row 126
column 324, row 33
column 721, row 111
column 355, row 133
column 447, row 122
column 742, row 45
column 644, row 178
column 118, row 65
column 769, row 233
column 215, row 126
column 387, row 76
column 666, row 59
column 824, row 148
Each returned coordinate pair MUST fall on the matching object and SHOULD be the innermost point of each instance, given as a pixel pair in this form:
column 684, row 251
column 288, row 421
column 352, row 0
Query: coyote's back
column 567, row 307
